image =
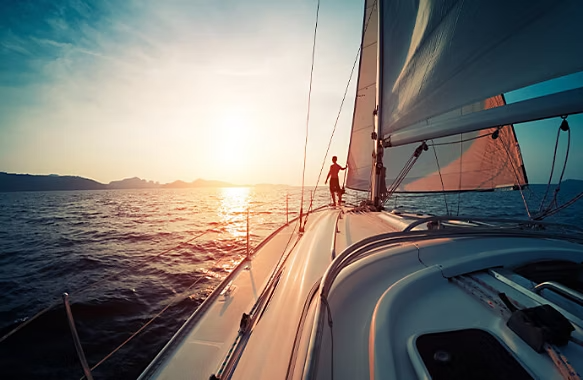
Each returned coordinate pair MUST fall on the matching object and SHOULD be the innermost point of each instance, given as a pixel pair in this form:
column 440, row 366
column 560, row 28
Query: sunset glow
column 167, row 91
column 185, row 90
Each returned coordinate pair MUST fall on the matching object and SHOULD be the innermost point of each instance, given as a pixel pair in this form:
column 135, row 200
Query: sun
column 236, row 146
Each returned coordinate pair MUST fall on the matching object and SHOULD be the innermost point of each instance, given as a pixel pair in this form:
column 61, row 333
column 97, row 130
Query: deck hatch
column 467, row 354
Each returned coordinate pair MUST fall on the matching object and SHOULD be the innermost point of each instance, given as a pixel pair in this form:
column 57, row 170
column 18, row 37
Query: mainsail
column 442, row 71
column 441, row 55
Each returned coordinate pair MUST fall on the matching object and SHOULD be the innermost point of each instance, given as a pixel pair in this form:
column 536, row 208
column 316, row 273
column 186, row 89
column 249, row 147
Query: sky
column 213, row 89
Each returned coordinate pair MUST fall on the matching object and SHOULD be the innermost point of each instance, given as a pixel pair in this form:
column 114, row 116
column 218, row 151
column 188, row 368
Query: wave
column 124, row 256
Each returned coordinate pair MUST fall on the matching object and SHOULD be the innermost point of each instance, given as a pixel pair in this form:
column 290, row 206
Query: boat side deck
column 379, row 304
column 196, row 349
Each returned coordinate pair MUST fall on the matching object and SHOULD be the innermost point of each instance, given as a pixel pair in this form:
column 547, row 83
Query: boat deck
column 380, row 305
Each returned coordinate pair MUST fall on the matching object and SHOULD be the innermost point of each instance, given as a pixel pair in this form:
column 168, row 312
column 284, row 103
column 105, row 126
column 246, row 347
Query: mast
column 378, row 150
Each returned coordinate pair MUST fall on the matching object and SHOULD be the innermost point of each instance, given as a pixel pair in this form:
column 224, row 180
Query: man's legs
column 333, row 197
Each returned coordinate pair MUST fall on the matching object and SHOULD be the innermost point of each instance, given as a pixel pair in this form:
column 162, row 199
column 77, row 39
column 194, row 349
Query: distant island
column 28, row 182
column 10, row 182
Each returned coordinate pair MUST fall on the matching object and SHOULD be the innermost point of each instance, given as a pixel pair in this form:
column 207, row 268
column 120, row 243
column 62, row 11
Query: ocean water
column 125, row 255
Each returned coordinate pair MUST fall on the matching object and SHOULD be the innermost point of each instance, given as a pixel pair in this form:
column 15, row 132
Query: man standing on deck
column 334, row 183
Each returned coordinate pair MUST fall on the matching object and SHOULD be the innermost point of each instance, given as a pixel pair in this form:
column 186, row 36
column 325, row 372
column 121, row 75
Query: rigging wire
column 440, row 177
column 405, row 171
column 559, row 208
column 459, row 194
column 356, row 59
column 515, row 172
column 543, row 211
column 337, row 118
column 552, row 171
column 308, row 111
column 564, row 167
column 549, row 211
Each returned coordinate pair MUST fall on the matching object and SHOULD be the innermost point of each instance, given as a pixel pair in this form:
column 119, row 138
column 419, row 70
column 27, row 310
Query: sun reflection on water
column 234, row 202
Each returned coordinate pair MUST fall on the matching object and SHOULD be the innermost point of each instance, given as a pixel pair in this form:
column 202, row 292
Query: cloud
column 151, row 89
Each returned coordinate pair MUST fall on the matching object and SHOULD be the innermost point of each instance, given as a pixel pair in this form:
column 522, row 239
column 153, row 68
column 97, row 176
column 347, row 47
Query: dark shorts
column 334, row 185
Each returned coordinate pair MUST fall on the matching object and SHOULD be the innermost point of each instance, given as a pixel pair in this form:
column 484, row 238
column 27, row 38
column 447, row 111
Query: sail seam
column 367, row 86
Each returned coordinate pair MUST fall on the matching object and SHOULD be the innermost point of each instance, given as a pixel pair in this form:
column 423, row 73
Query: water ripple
column 55, row 242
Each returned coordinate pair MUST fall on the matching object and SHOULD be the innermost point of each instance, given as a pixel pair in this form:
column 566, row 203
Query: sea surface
column 124, row 256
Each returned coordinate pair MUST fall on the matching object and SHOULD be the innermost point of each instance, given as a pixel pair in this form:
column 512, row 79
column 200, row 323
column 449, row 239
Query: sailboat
column 369, row 293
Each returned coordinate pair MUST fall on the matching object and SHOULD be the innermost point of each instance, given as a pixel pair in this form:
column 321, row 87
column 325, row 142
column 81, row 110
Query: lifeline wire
column 172, row 302
column 57, row 303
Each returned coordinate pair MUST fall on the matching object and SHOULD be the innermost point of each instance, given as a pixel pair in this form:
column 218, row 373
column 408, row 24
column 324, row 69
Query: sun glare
column 233, row 209
column 237, row 147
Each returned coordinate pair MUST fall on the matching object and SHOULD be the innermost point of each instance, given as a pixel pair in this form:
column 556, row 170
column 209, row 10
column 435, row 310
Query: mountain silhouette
column 28, row 182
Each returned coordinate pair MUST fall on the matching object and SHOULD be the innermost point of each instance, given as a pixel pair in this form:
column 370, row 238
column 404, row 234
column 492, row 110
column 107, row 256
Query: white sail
column 360, row 153
column 437, row 57
column 463, row 162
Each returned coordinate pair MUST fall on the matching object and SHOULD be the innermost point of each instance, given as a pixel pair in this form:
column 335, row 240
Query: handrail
column 556, row 287
column 196, row 315
column 482, row 219
column 228, row 366
column 76, row 340
column 505, row 278
column 248, row 251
